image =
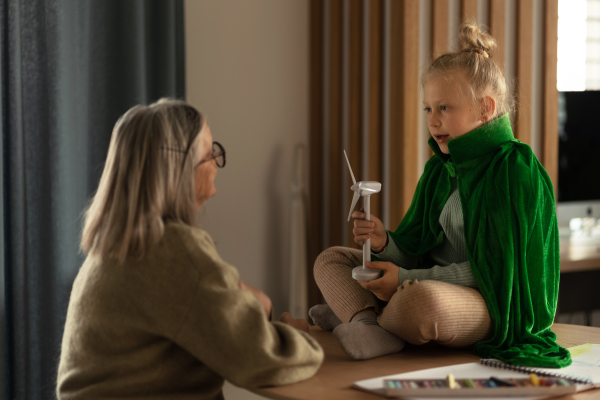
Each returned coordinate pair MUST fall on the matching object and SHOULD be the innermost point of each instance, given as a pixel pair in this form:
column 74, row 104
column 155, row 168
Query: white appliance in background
column 298, row 290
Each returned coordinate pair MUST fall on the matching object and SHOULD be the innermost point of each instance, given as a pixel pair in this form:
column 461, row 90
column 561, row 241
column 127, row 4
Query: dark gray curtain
column 68, row 69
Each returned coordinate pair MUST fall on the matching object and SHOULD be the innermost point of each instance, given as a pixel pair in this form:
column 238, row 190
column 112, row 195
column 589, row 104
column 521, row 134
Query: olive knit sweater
column 173, row 325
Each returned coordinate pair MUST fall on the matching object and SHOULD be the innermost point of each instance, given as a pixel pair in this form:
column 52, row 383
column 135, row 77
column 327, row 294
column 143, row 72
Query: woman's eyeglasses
column 218, row 154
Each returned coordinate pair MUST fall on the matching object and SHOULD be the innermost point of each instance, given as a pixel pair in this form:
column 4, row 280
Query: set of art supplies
column 490, row 387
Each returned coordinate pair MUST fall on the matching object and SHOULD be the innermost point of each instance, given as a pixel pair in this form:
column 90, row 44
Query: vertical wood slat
column 355, row 94
column 315, row 145
column 524, row 59
column 404, row 97
column 335, row 152
column 440, row 42
column 439, row 27
column 468, row 10
column 497, row 18
column 550, row 92
column 375, row 127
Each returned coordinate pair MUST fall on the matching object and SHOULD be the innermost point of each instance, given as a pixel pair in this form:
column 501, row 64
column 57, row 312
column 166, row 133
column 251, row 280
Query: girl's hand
column 384, row 287
column 263, row 298
column 299, row 324
column 372, row 229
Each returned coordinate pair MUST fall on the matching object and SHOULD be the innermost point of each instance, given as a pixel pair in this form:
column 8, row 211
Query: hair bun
column 474, row 40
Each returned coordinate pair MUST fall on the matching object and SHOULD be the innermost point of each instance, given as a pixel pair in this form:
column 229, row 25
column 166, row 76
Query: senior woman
column 155, row 313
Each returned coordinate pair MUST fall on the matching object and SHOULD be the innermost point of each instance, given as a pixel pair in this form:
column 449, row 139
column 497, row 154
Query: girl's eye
column 427, row 109
column 443, row 108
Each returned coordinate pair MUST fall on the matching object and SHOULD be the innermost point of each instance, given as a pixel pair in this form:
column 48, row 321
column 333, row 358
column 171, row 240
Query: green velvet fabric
column 511, row 235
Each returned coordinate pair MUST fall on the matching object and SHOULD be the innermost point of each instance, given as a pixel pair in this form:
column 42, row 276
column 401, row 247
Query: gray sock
column 324, row 317
column 363, row 338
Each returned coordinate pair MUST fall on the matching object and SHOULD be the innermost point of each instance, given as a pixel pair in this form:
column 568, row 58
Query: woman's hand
column 384, row 287
column 263, row 298
column 372, row 229
column 299, row 324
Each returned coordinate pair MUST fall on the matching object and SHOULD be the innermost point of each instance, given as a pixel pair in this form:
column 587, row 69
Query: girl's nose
column 433, row 121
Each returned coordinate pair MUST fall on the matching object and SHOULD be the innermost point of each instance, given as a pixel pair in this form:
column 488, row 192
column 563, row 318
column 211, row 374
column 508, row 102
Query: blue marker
column 491, row 383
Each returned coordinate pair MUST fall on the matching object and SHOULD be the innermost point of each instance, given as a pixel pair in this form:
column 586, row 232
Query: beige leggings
column 449, row 314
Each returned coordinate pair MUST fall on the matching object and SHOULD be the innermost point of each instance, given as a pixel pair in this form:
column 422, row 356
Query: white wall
column 247, row 72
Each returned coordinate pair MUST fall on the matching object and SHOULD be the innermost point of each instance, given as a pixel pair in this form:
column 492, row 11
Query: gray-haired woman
column 155, row 313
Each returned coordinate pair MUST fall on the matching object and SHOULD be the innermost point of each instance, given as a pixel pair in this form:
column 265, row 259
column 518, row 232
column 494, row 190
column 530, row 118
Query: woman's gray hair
column 148, row 178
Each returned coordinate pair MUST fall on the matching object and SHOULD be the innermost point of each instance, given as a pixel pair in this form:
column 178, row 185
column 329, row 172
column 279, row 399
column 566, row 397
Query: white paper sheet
column 460, row 371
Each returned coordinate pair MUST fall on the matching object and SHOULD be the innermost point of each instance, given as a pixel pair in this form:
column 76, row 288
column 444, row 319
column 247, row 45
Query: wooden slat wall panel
column 317, row 36
column 335, row 153
column 355, row 93
column 404, row 97
column 375, row 159
column 497, row 19
column 439, row 27
column 524, row 70
column 550, row 92
column 366, row 98
column 468, row 10
column 440, row 42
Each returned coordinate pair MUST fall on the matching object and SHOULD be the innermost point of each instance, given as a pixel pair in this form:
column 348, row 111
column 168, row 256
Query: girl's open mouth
column 441, row 138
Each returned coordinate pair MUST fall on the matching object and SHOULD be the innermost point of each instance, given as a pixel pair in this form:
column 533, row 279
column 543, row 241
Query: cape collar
column 478, row 142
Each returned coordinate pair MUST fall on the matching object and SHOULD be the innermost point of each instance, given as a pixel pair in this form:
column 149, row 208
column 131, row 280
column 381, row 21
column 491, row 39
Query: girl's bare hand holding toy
column 372, row 229
column 384, row 287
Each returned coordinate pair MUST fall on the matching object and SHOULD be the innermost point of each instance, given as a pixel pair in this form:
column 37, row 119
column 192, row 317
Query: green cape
column 511, row 235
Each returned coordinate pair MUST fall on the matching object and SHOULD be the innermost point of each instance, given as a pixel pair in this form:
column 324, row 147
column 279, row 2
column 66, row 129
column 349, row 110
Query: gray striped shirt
column 450, row 257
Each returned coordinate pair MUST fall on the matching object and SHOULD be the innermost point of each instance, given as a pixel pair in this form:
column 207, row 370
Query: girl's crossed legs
column 449, row 314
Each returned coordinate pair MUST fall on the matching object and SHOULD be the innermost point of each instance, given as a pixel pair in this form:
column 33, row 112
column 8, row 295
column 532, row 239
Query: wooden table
column 579, row 279
column 579, row 257
column 339, row 371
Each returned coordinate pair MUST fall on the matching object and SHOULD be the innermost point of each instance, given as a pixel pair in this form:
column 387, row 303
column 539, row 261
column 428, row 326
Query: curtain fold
column 68, row 70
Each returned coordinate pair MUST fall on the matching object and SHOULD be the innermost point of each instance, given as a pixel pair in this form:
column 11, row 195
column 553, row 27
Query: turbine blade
column 349, row 167
column 354, row 201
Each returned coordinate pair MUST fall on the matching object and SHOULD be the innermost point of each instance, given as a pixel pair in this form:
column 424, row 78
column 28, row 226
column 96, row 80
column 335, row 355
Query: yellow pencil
column 534, row 379
column 451, row 381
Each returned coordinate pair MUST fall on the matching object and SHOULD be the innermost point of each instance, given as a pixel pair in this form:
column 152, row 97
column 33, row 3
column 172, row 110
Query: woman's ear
column 488, row 108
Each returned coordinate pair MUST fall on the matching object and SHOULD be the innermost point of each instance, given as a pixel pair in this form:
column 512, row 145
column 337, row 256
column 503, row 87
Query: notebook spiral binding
column 490, row 362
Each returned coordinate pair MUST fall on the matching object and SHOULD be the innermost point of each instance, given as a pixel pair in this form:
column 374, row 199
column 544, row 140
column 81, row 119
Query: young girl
column 475, row 261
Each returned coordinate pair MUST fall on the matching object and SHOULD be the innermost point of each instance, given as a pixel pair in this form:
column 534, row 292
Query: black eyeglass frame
column 217, row 151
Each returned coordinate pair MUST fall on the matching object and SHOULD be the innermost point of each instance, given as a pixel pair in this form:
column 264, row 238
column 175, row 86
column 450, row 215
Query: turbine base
column 361, row 273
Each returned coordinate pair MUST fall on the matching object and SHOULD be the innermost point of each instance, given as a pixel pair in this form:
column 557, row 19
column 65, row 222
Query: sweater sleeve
column 457, row 273
column 226, row 328
column 395, row 255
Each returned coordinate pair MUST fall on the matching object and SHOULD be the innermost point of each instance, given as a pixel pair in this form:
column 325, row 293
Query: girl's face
column 206, row 172
column 450, row 114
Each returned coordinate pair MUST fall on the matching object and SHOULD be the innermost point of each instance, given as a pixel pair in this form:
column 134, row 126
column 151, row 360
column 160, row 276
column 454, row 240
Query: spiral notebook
column 585, row 368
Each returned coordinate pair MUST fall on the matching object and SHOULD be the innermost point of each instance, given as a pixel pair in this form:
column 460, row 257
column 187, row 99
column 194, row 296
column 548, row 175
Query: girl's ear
column 488, row 108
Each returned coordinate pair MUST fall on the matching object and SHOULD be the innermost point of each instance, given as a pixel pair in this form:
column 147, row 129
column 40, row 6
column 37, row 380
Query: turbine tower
column 364, row 189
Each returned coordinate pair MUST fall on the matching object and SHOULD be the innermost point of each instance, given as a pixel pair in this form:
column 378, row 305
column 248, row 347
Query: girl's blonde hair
column 148, row 177
column 483, row 76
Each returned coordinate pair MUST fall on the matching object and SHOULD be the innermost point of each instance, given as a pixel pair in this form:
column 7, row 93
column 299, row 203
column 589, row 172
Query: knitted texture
column 418, row 312
column 172, row 325
column 450, row 256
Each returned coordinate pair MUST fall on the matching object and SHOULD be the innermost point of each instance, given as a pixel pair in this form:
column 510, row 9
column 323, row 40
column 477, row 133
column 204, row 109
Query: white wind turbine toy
column 364, row 189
